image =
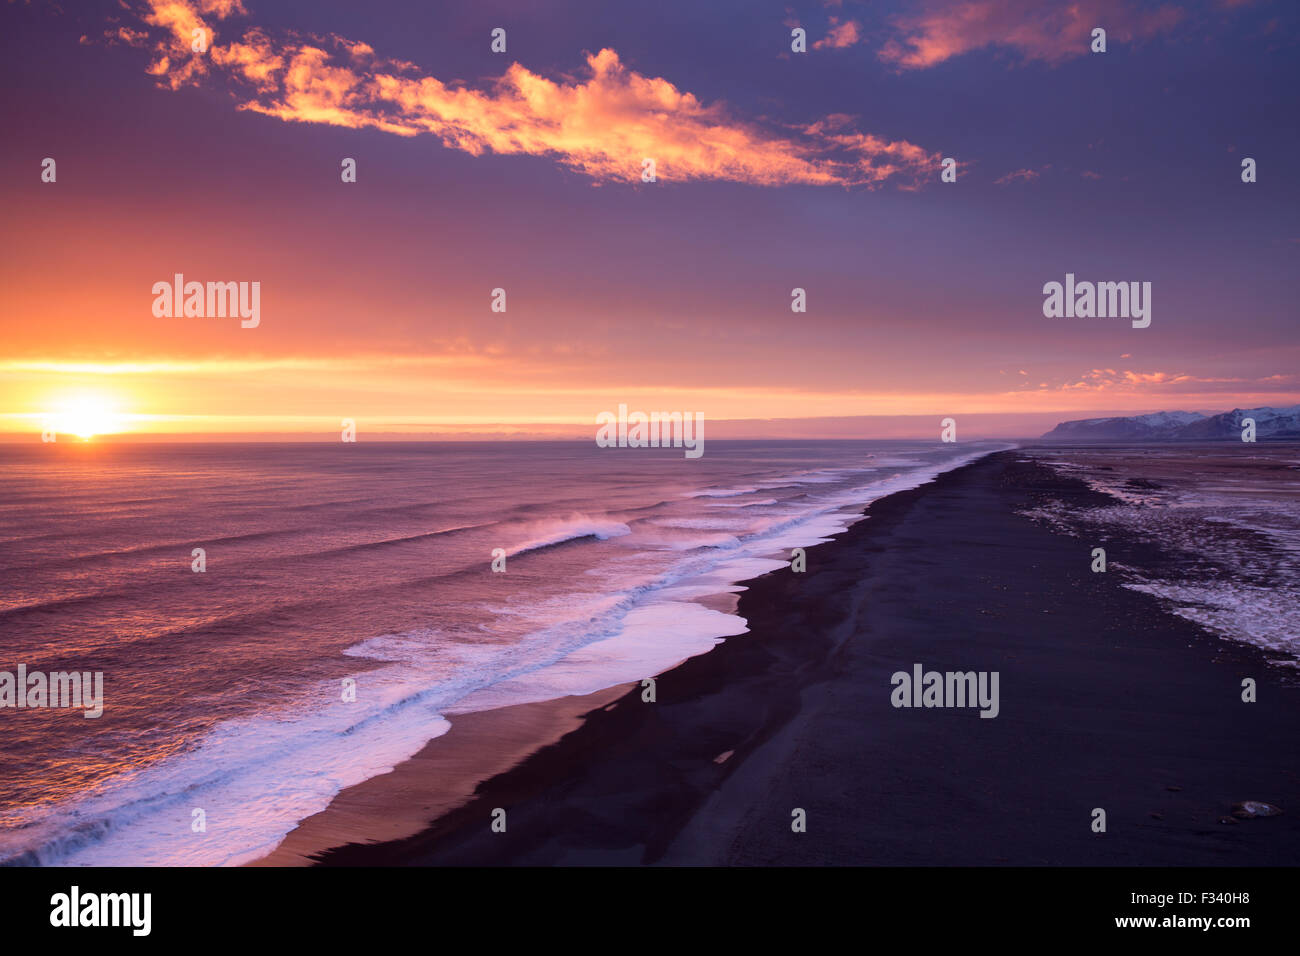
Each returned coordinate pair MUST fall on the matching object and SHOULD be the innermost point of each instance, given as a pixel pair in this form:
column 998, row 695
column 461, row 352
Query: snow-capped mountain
column 1270, row 423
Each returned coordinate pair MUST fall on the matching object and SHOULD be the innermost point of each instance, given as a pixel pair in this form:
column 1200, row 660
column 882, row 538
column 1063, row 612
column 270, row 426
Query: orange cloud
column 1023, row 175
column 842, row 35
column 1103, row 378
column 1051, row 32
column 176, row 62
column 1112, row 380
column 603, row 124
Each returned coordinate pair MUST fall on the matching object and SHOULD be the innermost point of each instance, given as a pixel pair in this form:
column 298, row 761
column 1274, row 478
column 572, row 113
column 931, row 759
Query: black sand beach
column 1105, row 701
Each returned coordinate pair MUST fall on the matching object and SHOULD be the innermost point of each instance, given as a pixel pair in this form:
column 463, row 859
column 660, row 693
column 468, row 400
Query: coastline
column 1107, row 701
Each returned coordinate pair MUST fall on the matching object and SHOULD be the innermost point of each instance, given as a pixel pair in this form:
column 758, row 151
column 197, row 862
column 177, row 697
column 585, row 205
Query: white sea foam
column 1229, row 526
column 1261, row 616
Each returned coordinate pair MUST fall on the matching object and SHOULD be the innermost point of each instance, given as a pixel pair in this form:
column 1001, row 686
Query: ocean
column 224, row 690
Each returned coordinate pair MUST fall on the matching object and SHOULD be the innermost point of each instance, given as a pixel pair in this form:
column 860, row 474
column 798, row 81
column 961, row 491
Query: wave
column 550, row 534
column 362, row 546
column 720, row 493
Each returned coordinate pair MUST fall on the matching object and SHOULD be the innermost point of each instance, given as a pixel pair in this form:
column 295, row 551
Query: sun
column 87, row 416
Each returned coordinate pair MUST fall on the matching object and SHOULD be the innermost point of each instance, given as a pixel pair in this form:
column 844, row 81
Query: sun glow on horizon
column 87, row 416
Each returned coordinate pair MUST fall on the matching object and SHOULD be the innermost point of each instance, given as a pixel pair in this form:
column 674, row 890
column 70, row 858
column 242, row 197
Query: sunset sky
column 522, row 170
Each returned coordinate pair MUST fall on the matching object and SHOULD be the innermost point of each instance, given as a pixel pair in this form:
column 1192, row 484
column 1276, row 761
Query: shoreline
column 1127, row 708
column 481, row 744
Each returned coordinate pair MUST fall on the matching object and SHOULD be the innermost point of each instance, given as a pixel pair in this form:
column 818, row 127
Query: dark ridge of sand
column 1106, row 701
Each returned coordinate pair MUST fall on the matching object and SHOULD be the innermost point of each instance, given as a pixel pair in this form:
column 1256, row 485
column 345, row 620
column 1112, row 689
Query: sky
column 523, row 170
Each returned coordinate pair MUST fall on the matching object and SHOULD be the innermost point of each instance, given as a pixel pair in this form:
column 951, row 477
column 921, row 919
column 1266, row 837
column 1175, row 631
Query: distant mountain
column 1270, row 423
column 1154, row 427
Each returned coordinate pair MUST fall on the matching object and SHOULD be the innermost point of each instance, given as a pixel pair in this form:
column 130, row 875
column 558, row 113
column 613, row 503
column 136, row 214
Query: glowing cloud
column 602, row 124
column 1021, row 175
column 842, row 35
column 1051, row 32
